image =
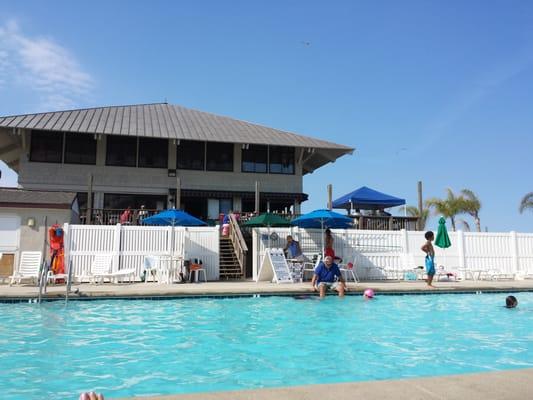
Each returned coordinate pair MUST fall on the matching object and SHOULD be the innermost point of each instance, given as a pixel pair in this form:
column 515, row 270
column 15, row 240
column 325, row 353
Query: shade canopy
column 365, row 198
column 323, row 219
column 442, row 240
column 173, row 217
column 267, row 219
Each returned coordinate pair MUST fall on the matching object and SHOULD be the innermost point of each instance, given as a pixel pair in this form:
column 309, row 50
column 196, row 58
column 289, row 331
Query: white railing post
column 66, row 247
column 405, row 241
column 116, row 247
column 514, row 252
column 461, row 248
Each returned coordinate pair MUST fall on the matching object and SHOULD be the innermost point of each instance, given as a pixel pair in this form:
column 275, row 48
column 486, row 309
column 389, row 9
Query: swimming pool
column 141, row 347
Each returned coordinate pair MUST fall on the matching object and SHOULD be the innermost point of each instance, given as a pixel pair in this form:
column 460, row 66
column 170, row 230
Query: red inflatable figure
column 57, row 261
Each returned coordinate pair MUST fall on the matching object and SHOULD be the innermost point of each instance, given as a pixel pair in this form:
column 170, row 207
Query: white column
column 116, row 247
column 461, row 248
column 514, row 252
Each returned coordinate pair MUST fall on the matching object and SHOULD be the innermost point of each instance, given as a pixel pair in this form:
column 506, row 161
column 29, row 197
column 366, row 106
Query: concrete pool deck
column 506, row 385
column 229, row 288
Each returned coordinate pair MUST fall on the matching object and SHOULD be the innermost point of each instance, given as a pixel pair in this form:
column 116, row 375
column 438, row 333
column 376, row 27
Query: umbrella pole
column 322, row 235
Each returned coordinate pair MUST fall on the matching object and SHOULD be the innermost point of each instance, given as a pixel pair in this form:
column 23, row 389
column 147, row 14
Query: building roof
column 12, row 197
column 169, row 121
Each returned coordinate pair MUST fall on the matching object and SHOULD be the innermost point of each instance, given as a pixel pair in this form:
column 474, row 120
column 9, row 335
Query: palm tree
column 413, row 211
column 471, row 205
column 448, row 207
column 526, row 203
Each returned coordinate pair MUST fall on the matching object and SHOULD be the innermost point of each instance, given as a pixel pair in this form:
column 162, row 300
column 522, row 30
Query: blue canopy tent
column 365, row 198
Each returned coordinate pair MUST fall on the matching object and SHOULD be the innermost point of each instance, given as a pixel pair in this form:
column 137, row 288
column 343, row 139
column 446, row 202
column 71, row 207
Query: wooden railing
column 239, row 245
column 110, row 216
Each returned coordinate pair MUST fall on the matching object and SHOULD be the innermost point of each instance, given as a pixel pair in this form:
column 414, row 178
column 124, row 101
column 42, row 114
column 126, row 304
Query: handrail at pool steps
column 239, row 245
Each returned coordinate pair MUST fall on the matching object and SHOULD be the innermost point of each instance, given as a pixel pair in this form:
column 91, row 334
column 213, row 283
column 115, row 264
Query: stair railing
column 239, row 245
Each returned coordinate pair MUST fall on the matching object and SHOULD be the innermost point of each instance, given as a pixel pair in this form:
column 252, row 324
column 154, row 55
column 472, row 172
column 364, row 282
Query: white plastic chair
column 349, row 269
column 29, row 265
column 151, row 267
column 310, row 266
column 101, row 268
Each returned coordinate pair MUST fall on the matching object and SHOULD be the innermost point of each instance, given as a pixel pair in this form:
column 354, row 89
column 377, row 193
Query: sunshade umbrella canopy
column 442, row 240
column 267, row 219
column 173, row 217
column 322, row 219
column 365, row 198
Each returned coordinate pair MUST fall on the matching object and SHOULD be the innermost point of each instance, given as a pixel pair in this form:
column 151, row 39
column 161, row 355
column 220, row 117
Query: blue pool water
column 142, row 347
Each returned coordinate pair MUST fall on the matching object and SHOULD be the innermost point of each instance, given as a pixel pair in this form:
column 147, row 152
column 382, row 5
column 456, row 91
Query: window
column 219, row 156
column 46, row 146
column 121, row 151
column 191, row 155
column 281, row 160
column 254, row 158
column 153, row 153
column 80, row 148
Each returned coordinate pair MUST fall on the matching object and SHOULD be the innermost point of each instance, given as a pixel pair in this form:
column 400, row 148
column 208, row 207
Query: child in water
column 511, row 302
column 430, row 257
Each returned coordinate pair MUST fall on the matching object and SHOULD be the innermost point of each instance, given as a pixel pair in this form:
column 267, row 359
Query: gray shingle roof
column 163, row 121
column 39, row 198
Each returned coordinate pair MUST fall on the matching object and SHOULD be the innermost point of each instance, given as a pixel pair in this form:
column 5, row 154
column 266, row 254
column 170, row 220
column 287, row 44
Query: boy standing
column 430, row 257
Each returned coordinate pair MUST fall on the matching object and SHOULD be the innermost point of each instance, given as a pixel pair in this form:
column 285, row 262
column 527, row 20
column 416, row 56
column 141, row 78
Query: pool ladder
column 43, row 280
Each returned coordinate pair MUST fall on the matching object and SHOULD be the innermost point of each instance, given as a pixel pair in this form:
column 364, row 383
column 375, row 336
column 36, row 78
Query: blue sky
column 434, row 91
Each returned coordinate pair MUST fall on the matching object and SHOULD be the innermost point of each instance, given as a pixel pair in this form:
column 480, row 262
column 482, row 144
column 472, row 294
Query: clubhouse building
column 162, row 155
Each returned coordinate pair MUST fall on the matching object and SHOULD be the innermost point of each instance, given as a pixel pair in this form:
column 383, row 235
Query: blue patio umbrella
column 323, row 219
column 173, row 217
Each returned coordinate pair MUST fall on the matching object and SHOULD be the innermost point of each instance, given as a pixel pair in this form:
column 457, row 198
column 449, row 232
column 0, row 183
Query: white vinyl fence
column 384, row 254
column 129, row 244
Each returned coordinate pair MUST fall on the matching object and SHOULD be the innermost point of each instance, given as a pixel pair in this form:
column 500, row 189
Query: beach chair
column 349, row 270
column 310, row 266
column 442, row 272
column 29, row 267
column 151, row 266
column 122, row 275
column 101, row 268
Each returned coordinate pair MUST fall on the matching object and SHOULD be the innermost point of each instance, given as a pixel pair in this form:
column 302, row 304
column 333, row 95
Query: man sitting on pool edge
column 324, row 277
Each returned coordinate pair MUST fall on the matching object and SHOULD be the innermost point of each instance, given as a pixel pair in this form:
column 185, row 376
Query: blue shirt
column 293, row 249
column 327, row 275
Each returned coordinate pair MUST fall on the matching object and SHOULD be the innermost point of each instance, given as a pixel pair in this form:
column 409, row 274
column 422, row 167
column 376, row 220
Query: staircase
column 229, row 264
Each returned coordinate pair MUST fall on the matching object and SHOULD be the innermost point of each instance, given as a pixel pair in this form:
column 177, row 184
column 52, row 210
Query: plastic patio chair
column 29, row 267
column 101, row 268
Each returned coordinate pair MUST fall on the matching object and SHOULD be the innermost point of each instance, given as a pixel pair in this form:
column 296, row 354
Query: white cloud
column 42, row 65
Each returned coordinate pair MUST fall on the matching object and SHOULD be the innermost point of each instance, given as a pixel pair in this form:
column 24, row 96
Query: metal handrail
column 43, row 279
column 69, row 281
column 239, row 244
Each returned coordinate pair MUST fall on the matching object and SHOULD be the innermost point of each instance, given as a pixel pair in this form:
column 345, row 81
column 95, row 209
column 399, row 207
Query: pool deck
column 507, row 385
column 232, row 288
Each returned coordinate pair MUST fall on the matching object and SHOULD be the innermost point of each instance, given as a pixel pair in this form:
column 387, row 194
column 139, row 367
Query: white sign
column 274, row 267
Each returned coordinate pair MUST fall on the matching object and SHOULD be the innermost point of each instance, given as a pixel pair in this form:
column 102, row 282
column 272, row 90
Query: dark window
column 219, row 156
column 122, row 201
column 191, row 155
column 121, row 151
column 255, row 158
column 153, row 153
column 281, row 160
column 80, row 148
column 46, row 146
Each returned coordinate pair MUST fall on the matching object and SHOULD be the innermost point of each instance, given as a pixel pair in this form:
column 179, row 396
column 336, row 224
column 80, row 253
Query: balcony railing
column 108, row 216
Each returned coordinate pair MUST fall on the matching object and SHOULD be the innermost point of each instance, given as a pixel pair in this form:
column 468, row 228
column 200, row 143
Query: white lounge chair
column 29, row 267
column 151, row 265
column 101, row 268
column 349, row 269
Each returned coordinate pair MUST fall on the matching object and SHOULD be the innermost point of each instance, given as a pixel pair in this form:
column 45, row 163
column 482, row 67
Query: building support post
column 257, row 188
column 330, row 196
column 89, row 214
column 178, row 193
column 420, row 207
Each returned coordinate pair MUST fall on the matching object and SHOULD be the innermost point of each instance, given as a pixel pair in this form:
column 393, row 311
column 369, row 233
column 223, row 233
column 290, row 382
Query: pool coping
column 150, row 291
column 497, row 385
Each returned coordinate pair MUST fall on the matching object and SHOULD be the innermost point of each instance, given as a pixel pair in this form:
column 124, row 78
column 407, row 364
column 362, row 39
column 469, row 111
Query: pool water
column 142, row 347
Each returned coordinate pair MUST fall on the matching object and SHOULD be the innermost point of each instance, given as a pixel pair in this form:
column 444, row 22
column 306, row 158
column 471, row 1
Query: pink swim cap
column 369, row 293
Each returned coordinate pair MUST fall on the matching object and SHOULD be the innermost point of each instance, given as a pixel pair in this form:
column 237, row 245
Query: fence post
column 170, row 232
column 66, row 247
column 514, row 252
column 461, row 246
column 116, row 248
column 405, row 242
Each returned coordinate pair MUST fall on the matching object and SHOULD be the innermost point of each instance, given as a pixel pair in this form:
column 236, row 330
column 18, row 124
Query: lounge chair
column 310, row 266
column 101, row 268
column 29, row 267
column 442, row 272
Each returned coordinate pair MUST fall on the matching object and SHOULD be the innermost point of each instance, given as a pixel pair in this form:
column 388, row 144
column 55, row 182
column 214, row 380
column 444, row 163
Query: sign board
column 274, row 267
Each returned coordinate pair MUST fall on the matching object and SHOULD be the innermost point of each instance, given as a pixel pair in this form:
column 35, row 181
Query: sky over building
column 439, row 92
